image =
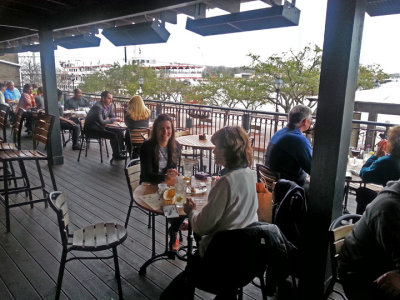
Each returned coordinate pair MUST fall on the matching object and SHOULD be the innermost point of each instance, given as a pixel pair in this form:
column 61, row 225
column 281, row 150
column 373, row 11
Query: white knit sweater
column 232, row 204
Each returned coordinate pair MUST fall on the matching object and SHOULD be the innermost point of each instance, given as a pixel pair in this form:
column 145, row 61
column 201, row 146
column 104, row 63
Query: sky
column 379, row 44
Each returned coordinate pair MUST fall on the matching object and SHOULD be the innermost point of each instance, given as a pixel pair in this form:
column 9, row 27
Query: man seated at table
column 380, row 168
column 11, row 93
column 66, row 124
column 289, row 152
column 98, row 117
column 369, row 261
column 76, row 101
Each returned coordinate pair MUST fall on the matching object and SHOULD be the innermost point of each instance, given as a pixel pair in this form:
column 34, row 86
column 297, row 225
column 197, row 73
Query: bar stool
column 43, row 125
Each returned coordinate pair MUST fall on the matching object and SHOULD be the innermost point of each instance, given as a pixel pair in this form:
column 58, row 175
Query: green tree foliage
column 299, row 72
column 368, row 74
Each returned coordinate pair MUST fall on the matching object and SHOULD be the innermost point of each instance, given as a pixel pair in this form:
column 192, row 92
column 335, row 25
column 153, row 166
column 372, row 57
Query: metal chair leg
column 61, row 274
column 80, row 149
column 117, row 273
column 6, row 204
column 101, row 150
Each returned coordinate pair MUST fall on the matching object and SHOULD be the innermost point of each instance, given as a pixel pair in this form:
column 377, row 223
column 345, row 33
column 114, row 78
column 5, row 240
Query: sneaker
column 175, row 246
column 184, row 226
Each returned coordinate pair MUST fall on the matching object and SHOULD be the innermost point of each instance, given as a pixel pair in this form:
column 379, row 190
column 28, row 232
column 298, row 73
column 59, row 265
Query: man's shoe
column 119, row 157
column 76, row 147
column 175, row 246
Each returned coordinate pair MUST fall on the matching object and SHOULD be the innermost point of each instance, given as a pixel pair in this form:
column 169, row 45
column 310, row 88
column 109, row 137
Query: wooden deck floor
column 97, row 192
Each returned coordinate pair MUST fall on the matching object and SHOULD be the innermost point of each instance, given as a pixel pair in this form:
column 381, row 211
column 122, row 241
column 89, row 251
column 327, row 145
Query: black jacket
column 149, row 164
column 97, row 119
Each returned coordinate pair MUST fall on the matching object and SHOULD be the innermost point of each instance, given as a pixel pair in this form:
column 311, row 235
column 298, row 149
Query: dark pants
column 28, row 120
column 197, row 274
column 364, row 196
column 76, row 131
column 357, row 287
column 115, row 137
column 175, row 223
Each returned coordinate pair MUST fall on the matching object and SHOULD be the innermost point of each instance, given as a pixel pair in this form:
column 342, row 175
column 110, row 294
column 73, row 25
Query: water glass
column 180, row 191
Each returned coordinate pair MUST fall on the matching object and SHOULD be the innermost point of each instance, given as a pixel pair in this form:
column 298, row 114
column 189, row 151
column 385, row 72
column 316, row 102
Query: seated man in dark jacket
column 369, row 262
column 99, row 116
column 289, row 152
column 76, row 101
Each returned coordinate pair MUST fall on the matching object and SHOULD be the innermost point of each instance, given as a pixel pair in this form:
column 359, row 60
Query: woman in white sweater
column 232, row 202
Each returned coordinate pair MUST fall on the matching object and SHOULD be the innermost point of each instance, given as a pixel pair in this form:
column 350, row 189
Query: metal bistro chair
column 229, row 267
column 92, row 238
column 41, row 134
column 187, row 152
column 137, row 137
column 85, row 139
column 132, row 174
column 337, row 234
column 267, row 176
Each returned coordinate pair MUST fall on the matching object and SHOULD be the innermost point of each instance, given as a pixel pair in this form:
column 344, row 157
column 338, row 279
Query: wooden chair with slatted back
column 337, row 234
column 3, row 122
column 92, row 238
column 16, row 132
column 41, row 134
column 137, row 137
column 267, row 176
column 132, row 174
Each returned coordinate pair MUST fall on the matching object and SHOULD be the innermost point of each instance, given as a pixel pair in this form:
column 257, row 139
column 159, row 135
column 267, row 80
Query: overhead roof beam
column 231, row 6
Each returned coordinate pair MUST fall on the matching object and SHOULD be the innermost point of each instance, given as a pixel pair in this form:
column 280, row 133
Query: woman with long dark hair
column 158, row 161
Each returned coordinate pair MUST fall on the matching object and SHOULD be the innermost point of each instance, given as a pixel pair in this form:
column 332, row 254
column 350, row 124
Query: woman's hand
column 390, row 284
column 170, row 176
column 189, row 206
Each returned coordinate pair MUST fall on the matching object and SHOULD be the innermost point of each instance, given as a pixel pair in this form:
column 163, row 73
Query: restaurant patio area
column 97, row 192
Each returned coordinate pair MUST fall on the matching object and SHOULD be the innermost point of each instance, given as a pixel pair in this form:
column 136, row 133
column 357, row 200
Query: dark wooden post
column 371, row 133
column 338, row 81
column 355, row 130
column 54, row 149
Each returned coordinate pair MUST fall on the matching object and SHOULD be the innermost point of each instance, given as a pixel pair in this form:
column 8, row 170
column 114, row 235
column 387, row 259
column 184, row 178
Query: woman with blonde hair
column 380, row 168
column 137, row 115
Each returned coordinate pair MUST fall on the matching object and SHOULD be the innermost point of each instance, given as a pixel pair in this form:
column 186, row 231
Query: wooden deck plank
column 4, row 291
column 17, row 283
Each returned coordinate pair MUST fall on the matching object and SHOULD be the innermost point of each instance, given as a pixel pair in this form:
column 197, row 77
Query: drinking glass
column 188, row 165
column 355, row 152
column 180, row 191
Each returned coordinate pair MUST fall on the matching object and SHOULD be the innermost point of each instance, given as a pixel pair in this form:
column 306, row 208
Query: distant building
column 188, row 73
column 10, row 69
column 74, row 73
column 191, row 74
column 243, row 75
